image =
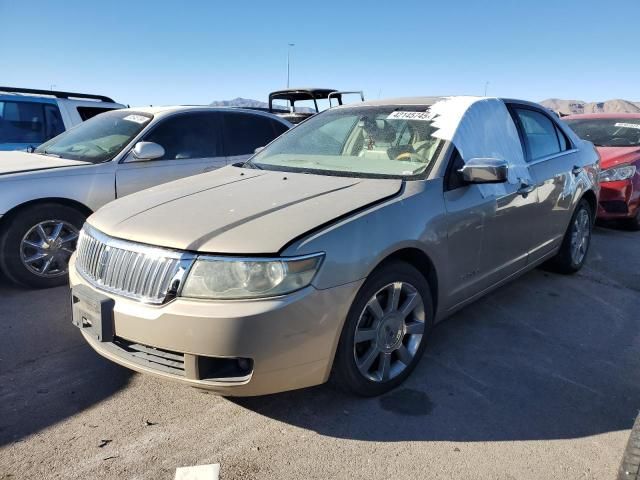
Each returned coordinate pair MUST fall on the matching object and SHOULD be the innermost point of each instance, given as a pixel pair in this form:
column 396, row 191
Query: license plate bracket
column 92, row 313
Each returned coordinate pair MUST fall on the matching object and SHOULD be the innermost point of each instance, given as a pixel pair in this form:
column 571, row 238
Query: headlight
column 617, row 173
column 227, row 278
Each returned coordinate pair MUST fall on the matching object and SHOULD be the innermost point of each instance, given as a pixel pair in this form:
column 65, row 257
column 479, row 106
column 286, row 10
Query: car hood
column 19, row 162
column 237, row 210
column 612, row 156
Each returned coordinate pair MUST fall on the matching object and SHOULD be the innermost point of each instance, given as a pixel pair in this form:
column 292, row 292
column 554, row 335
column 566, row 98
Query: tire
column 21, row 232
column 392, row 339
column 630, row 465
column 566, row 261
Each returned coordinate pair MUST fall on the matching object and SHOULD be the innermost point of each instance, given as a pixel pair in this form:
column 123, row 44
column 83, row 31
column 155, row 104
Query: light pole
column 486, row 86
column 289, row 45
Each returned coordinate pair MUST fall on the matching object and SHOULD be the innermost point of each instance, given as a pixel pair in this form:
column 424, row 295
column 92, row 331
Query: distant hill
column 240, row 102
column 250, row 103
column 569, row 107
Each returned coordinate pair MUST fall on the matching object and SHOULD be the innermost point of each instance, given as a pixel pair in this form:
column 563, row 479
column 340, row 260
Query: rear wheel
column 575, row 245
column 385, row 332
column 36, row 244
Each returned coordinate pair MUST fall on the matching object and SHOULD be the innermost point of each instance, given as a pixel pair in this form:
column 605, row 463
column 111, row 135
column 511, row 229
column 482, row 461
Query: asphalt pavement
column 539, row 380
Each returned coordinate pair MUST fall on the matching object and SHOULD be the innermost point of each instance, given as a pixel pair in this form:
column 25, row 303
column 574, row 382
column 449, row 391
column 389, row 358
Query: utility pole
column 289, row 45
column 486, row 86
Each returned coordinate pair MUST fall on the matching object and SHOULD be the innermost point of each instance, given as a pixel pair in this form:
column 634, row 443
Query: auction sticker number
column 628, row 125
column 399, row 115
column 136, row 118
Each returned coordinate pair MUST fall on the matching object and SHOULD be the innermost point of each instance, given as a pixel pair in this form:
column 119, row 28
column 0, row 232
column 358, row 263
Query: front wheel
column 36, row 245
column 385, row 332
column 575, row 245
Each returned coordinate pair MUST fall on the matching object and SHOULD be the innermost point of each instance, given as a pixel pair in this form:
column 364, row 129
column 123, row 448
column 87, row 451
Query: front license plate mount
column 92, row 313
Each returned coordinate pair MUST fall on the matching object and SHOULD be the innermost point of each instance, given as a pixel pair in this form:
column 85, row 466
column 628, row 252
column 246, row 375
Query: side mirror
column 485, row 170
column 144, row 151
column 258, row 149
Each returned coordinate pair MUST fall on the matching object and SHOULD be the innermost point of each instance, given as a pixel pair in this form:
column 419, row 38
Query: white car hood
column 18, row 162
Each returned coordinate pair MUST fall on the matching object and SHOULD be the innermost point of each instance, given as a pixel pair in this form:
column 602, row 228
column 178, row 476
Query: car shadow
column 545, row 357
column 47, row 372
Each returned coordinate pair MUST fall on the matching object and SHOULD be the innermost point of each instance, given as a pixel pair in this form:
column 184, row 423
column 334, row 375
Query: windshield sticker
column 136, row 118
column 628, row 125
column 400, row 115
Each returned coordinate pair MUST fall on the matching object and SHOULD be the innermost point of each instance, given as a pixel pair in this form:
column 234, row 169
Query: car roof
column 421, row 101
column 164, row 110
column 587, row 116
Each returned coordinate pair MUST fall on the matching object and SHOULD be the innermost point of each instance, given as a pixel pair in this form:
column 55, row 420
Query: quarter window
column 245, row 132
column 185, row 136
column 540, row 133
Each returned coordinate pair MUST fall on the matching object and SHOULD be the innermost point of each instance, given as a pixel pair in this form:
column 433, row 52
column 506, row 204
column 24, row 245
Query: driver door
column 488, row 234
column 192, row 144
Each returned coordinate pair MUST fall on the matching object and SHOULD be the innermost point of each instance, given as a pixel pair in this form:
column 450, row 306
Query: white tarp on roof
column 481, row 127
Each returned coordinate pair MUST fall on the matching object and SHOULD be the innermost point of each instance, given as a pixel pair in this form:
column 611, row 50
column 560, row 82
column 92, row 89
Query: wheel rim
column 389, row 332
column 47, row 246
column 580, row 236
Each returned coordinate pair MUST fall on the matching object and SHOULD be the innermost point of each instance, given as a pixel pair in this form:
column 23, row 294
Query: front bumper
column 289, row 341
column 619, row 200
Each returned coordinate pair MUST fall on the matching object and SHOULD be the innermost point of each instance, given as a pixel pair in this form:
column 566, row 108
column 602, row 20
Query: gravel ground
column 539, row 380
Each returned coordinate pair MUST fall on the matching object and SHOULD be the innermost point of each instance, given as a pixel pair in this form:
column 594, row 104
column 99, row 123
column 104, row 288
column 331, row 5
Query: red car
column 617, row 139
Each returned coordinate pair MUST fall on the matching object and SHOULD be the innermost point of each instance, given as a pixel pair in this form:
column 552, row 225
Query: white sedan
column 47, row 194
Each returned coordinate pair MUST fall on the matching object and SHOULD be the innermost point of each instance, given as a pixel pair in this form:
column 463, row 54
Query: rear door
column 192, row 144
column 554, row 164
column 243, row 132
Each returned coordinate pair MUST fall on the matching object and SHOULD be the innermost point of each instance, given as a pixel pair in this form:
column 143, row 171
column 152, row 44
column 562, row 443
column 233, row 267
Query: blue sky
column 193, row 52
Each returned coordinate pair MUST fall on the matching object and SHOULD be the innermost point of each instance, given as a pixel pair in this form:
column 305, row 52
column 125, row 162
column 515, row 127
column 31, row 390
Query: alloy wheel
column 389, row 332
column 46, row 247
column 580, row 236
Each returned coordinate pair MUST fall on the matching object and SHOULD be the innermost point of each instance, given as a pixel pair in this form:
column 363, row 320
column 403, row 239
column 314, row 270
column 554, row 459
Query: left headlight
column 235, row 278
column 614, row 174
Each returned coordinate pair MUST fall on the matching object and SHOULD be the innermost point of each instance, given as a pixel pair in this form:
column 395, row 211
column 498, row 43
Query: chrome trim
column 133, row 270
column 552, row 156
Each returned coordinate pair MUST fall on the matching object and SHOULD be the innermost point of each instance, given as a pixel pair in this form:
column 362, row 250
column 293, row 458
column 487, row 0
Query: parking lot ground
column 539, row 380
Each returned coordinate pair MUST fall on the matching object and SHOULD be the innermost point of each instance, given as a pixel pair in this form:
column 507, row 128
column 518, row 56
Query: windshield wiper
column 48, row 154
column 250, row 164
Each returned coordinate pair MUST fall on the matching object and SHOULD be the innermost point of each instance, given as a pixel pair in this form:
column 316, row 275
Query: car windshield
column 99, row 139
column 388, row 142
column 608, row 132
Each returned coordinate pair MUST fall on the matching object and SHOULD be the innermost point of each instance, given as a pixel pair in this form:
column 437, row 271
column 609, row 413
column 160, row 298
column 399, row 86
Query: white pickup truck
column 29, row 117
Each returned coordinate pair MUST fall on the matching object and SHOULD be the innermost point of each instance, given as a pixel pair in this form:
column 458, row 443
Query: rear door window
column 540, row 133
column 244, row 132
column 22, row 122
column 188, row 135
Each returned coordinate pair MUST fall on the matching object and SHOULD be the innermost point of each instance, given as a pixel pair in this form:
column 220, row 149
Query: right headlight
column 614, row 174
column 236, row 278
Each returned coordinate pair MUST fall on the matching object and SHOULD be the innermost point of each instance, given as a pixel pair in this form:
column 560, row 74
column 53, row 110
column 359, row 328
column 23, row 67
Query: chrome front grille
column 133, row 270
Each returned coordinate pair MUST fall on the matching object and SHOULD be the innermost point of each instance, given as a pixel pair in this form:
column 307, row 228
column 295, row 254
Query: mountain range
column 569, row 107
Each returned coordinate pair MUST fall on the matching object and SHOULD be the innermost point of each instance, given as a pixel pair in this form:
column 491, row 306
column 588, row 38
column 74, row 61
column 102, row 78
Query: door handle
column 525, row 189
column 576, row 170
